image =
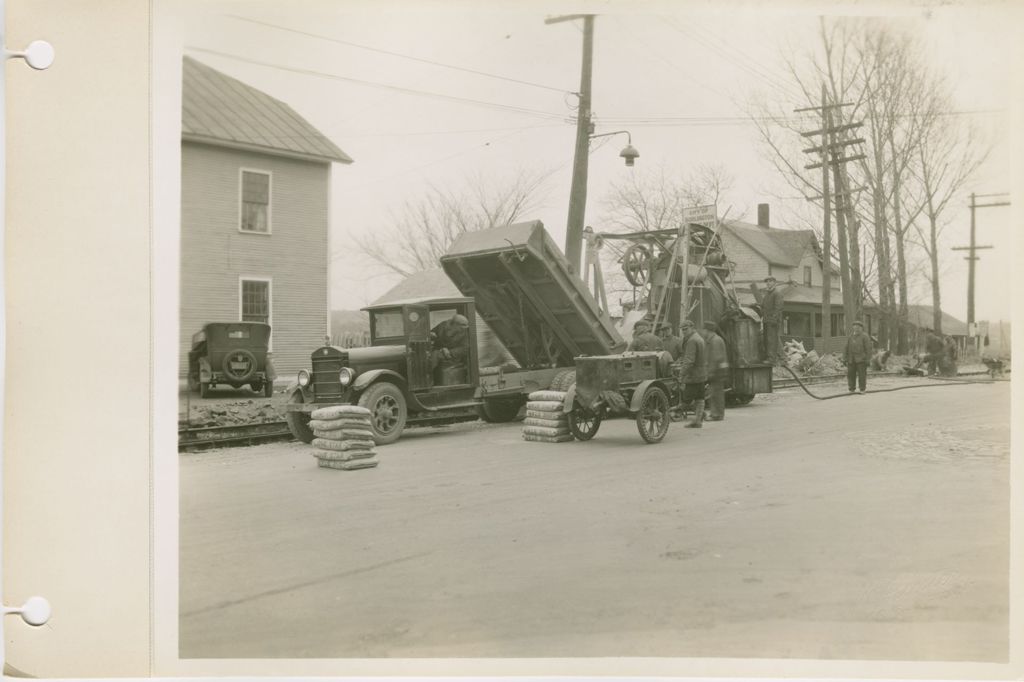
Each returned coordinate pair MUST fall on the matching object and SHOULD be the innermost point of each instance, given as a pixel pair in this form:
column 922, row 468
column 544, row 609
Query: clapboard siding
column 215, row 254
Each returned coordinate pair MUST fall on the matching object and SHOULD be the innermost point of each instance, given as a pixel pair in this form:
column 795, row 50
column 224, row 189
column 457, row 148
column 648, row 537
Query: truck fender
column 364, row 380
column 205, row 373
column 569, row 400
column 638, row 392
column 307, row 395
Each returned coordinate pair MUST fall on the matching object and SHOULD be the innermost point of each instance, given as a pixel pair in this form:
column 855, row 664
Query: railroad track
column 236, row 435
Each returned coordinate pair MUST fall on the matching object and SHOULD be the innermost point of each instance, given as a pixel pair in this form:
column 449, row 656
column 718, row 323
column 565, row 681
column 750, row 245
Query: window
column 255, row 294
column 388, row 324
column 807, row 275
column 255, row 202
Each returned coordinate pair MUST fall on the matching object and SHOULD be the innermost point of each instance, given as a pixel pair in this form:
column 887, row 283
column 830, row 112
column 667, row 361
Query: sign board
column 701, row 215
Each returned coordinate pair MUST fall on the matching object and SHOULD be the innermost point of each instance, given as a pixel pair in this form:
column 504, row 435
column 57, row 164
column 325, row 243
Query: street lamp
column 629, row 152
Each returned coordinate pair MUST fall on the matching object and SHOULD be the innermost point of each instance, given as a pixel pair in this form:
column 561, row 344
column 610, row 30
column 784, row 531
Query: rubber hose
column 955, row 382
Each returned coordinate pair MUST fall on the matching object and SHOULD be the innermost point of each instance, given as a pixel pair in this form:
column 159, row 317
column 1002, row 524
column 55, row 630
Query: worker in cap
column 669, row 341
column 643, row 339
column 718, row 370
column 692, row 371
column 857, row 355
column 450, row 343
column 771, row 301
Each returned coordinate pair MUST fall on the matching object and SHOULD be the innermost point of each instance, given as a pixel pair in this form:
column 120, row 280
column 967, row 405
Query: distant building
column 255, row 180
column 790, row 256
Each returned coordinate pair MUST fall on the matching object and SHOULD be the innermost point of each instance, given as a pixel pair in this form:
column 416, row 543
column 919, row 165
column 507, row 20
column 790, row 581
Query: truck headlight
column 346, row 376
column 304, row 378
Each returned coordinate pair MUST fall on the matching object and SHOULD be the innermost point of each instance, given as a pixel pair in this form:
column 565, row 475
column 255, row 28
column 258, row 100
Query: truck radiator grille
column 326, row 385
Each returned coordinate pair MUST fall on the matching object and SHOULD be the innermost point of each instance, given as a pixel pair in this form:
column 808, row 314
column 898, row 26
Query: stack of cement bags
column 343, row 437
column 545, row 421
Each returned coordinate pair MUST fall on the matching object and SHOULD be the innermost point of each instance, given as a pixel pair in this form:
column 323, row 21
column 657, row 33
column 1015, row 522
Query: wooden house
column 255, row 246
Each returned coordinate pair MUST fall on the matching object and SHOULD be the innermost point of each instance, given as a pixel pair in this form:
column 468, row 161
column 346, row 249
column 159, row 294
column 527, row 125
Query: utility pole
column 972, row 257
column 578, row 191
column 829, row 150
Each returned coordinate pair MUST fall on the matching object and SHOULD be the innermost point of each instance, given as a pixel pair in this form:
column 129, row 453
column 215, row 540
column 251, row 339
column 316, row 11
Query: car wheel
column 268, row 389
column 495, row 411
column 204, row 389
column 583, row 424
column 298, row 422
column 653, row 418
column 387, row 409
column 239, row 365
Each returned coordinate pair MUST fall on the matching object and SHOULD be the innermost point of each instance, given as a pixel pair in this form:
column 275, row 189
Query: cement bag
column 345, row 435
column 356, row 464
column 547, row 439
column 342, row 445
column 348, row 456
column 537, row 414
column 335, row 424
column 339, row 411
column 544, row 405
column 545, row 422
column 545, row 430
column 547, row 395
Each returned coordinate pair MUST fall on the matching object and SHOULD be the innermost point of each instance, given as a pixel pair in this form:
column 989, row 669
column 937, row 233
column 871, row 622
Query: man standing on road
column 692, row 371
column 935, row 349
column 771, row 300
column 718, row 369
column 643, row 339
column 857, row 355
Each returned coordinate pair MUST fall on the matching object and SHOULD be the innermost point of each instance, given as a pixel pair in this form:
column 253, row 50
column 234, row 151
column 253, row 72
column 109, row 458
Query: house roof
column 431, row 283
column 778, row 247
column 921, row 316
column 219, row 109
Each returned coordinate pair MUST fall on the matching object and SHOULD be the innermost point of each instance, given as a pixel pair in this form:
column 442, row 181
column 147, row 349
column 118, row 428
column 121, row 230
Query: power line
column 382, row 86
column 399, row 54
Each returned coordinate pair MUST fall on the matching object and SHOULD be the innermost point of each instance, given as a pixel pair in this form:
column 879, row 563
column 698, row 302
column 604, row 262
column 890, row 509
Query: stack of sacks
column 545, row 421
column 343, row 437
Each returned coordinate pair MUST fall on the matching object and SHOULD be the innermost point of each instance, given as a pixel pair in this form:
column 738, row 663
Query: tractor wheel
column 653, row 418
column 298, row 422
column 583, row 424
column 387, row 409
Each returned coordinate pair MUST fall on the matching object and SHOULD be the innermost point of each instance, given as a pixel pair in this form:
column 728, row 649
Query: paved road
column 868, row 527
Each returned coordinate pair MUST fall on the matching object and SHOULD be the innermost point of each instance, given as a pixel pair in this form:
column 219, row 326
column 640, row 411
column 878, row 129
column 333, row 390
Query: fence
column 351, row 339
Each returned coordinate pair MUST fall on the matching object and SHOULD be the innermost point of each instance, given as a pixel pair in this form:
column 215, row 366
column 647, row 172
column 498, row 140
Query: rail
column 235, row 435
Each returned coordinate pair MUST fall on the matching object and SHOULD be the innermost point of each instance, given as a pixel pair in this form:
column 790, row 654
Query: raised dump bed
column 527, row 294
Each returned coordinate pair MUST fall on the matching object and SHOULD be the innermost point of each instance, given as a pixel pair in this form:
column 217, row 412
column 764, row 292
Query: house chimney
column 762, row 216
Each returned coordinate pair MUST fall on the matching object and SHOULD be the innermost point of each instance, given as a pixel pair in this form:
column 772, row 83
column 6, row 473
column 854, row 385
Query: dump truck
column 521, row 285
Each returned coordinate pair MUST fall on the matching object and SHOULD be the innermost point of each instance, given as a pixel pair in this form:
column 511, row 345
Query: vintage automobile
column 396, row 377
column 638, row 384
column 231, row 353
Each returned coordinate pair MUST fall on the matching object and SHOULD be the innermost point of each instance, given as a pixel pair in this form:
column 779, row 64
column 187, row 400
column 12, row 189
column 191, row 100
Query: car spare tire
column 239, row 365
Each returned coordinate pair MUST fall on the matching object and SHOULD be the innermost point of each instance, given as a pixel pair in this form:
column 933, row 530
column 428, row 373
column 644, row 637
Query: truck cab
column 403, row 376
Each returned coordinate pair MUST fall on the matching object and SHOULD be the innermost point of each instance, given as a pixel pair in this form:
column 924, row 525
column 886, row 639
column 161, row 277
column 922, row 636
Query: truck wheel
column 653, row 418
column 298, row 422
column 739, row 399
column 583, row 424
column 387, row 411
column 563, row 380
column 495, row 411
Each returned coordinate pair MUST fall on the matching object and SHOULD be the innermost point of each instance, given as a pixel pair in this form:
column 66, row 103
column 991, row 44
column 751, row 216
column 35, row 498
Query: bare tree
column 948, row 156
column 423, row 229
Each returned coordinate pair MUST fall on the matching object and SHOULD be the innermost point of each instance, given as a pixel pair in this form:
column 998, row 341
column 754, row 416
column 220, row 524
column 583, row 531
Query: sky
column 493, row 97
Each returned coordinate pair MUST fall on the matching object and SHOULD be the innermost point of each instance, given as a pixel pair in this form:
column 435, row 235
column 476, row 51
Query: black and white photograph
column 448, row 339
column 680, row 332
